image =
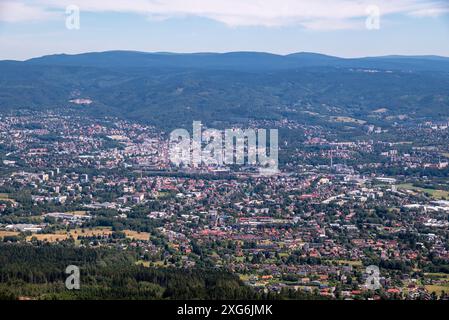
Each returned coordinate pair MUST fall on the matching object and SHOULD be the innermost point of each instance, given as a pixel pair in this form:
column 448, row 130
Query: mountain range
column 171, row 90
column 254, row 61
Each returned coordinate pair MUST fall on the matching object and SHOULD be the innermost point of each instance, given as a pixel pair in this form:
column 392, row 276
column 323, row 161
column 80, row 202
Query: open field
column 143, row 236
column 349, row 263
column 159, row 264
column 52, row 237
column 438, row 289
column 5, row 197
column 348, row 120
column 8, row 233
column 62, row 235
column 441, row 282
column 435, row 194
column 75, row 234
column 78, row 213
column 146, row 264
column 90, row 232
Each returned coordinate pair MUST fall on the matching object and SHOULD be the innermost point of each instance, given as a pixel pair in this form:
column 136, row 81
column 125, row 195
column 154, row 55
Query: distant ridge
column 171, row 90
column 251, row 61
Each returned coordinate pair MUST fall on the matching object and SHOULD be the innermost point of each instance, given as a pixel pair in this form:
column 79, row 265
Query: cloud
column 310, row 14
column 430, row 12
column 17, row 11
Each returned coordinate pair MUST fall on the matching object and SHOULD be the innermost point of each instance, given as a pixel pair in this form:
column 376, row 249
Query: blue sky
column 336, row 27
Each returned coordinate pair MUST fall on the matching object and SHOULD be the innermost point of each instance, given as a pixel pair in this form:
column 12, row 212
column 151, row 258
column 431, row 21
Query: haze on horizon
column 32, row 28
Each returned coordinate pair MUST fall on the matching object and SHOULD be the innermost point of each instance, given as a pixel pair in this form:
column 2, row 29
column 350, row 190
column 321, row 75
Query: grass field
column 90, row 232
column 52, row 237
column 244, row 277
column 78, row 213
column 240, row 259
column 62, row 235
column 143, row 236
column 5, row 197
column 8, row 234
column 75, row 234
column 442, row 284
column 146, row 264
column 438, row 289
column 348, row 120
column 435, row 194
column 349, row 263
column 159, row 264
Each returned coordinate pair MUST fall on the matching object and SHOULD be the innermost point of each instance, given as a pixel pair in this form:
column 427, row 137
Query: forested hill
column 29, row 272
column 253, row 61
column 171, row 90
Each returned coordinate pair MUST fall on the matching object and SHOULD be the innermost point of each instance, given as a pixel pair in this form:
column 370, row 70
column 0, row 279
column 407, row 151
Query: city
column 380, row 199
column 195, row 159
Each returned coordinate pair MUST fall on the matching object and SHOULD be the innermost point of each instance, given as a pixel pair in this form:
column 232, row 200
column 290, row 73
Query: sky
column 344, row 28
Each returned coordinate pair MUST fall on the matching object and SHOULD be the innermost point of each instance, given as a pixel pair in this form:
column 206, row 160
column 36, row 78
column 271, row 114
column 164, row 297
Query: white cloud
column 17, row 11
column 430, row 12
column 311, row 14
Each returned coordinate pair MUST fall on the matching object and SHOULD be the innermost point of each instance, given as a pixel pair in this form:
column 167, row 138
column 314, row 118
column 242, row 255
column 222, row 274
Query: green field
column 5, row 197
column 357, row 263
column 442, row 285
column 438, row 289
column 434, row 193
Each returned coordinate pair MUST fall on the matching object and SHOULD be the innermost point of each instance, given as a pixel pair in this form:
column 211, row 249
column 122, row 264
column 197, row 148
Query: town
column 341, row 201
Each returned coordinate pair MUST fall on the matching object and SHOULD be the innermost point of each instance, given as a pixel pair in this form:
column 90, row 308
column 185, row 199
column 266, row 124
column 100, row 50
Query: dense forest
column 156, row 90
column 29, row 272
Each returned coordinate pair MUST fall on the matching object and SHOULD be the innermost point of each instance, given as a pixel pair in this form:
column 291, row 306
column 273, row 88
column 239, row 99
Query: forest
column 30, row 272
